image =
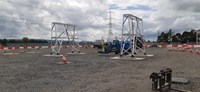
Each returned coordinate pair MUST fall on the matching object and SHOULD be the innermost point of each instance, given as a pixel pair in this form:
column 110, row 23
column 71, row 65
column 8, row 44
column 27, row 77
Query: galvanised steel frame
column 64, row 32
column 132, row 27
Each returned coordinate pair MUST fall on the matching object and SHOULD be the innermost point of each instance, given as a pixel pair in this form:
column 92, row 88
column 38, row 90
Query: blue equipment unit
column 109, row 47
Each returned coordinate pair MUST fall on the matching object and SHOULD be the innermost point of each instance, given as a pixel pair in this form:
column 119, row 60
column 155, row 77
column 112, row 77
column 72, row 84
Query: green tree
column 178, row 35
column 25, row 40
column 4, row 42
column 32, row 40
column 185, row 37
column 192, row 35
column 12, row 41
column 175, row 38
column 169, row 34
column 163, row 37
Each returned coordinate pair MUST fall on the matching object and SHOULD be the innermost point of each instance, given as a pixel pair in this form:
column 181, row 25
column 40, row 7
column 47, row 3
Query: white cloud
column 178, row 15
column 33, row 18
column 124, row 3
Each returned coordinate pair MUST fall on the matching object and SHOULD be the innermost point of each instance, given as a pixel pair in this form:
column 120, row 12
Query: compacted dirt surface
column 92, row 72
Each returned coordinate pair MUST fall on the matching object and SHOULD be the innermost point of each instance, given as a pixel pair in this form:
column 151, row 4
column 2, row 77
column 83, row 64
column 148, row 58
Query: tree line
column 178, row 37
column 4, row 42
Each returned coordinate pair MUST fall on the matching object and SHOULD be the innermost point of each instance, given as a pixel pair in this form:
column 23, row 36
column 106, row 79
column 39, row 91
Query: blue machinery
column 132, row 40
column 115, row 47
column 110, row 47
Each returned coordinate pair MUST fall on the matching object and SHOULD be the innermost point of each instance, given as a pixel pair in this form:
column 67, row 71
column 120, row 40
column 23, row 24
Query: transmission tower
column 158, row 36
column 63, row 32
column 110, row 37
column 132, row 39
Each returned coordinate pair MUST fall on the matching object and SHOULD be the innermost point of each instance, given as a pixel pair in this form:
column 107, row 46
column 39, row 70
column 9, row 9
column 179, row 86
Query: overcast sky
column 32, row 18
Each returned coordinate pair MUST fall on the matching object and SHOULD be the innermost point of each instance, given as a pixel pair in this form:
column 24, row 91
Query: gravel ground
column 93, row 72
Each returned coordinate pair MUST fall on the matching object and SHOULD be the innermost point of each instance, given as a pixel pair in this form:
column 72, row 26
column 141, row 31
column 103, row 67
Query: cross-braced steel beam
column 197, row 37
column 132, row 39
column 63, row 32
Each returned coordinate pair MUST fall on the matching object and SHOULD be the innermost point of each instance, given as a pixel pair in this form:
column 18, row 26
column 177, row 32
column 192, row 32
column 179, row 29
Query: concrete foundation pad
column 115, row 58
column 10, row 53
column 33, row 52
column 75, row 53
column 53, row 55
column 24, row 51
column 61, row 63
column 144, row 55
column 149, row 55
column 180, row 80
column 126, row 58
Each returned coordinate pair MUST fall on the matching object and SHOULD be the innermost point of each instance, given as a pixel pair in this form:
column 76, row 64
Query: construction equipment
column 115, row 46
column 109, row 47
column 164, row 79
column 161, row 80
column 132, row 40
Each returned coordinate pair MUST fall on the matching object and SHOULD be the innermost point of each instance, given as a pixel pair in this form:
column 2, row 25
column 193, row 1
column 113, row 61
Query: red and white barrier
column 183, row 48
column 179, row 46
column 32, row 47
column 36, row 47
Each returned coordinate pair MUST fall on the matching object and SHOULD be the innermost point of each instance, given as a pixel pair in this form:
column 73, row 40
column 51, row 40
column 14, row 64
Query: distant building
column 97, row 42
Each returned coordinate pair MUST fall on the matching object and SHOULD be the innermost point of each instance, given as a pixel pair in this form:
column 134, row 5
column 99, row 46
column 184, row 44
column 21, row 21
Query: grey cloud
column 33, row 17
column 178, row 15
column 186, row 5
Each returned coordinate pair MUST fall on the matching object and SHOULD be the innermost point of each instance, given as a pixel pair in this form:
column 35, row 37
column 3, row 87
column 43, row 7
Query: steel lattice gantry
column 197, row 37
column 63, row 32
column 132, row 39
